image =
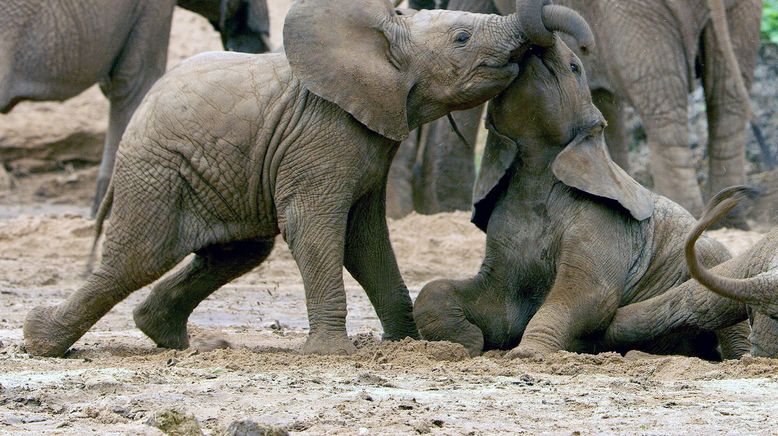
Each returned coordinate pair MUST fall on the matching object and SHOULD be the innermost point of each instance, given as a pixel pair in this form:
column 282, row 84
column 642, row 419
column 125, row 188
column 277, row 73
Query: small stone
column 250, row 428
column 171, row 362
column 6, row 180
column 175, row 423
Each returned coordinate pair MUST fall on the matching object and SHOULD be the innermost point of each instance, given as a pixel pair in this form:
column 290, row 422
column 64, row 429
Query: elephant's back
column 210, row 122
column 215, row 96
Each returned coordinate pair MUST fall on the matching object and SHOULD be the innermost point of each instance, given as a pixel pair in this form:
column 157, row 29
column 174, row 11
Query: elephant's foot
column 533, row 352
column 328, row 343
column 413, row 334
column 43, row 336
column 398, row 331
column 166, row 332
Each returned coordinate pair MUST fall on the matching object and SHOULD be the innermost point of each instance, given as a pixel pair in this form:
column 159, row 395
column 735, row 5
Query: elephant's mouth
column 496, row 64
column 535, row 61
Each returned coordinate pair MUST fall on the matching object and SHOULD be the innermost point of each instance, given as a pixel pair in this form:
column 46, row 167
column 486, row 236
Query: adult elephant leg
column 672, row 166
column 651, row 68
column 728, row 110
column 612, row 108
column 448, row 165
column 370, row 260
column 119, row 116
column 142, row 61
column 316, row 239
column 399, row 188
column 163, row 315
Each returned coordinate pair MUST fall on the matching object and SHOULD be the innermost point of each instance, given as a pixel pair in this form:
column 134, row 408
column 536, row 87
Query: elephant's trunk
column 757, row 291
column 566, row 20
column 539, row 19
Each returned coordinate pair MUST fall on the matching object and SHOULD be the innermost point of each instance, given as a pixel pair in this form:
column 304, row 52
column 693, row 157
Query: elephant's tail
column 747, row 290
column 102, row 214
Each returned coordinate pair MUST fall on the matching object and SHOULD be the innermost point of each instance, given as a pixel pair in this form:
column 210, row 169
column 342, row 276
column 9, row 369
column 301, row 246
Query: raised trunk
column 539, row 20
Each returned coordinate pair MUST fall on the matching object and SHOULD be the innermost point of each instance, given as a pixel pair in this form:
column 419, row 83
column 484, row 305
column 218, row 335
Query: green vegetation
column 770, row 21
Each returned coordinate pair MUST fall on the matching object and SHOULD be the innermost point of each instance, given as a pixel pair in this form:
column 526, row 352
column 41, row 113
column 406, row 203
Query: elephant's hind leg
column 127, row 265
column 163, row 315
column 441, row 315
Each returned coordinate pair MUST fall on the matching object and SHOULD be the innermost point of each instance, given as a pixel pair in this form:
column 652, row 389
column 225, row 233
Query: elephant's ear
column 339, row 49
column 585, row 164
column 497, row 160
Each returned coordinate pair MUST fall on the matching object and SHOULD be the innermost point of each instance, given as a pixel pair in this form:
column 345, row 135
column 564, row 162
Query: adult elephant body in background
column 648, row 54
column 56, row 50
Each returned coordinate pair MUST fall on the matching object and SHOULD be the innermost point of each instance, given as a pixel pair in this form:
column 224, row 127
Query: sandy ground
column 116, row 381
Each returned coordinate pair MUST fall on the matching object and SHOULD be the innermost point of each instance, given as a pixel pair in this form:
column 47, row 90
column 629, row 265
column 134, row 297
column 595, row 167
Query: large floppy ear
column 339, row 49
column 585, row 164
column 498, row 157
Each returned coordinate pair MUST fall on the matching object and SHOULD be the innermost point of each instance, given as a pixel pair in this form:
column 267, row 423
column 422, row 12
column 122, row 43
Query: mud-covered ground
column 115, row 381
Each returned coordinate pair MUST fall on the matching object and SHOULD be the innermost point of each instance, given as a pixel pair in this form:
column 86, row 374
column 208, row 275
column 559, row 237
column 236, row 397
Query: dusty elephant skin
column 570, row 236
column 54, row 51
column 750, row 278
column 651, row 67
column 228, row 150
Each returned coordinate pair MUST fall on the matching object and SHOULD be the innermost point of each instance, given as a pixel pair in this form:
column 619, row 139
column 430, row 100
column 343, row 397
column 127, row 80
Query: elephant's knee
column 440, row 316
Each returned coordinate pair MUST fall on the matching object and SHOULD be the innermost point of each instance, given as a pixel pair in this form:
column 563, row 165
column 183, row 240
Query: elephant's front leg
column 582, row 300
column 316, row 240
column 370, row 260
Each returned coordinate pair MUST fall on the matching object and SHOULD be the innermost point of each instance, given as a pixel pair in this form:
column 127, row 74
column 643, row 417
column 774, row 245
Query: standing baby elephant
column 751, row 278
column 570, row 236
column 230, row 149
column 56, row 50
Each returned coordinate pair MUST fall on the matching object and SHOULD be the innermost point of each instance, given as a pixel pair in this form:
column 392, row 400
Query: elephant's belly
column 26, row 89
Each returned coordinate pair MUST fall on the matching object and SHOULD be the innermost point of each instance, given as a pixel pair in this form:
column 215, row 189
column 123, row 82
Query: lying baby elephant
column 750, row 278
column 570, row 236
column 229, row 149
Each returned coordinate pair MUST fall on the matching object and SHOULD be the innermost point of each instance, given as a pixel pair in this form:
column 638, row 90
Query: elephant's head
column 244, row 25
column 547, row 117
column 396, row 69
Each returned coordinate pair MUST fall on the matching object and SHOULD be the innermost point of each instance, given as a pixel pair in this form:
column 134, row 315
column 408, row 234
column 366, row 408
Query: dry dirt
column 115, row 381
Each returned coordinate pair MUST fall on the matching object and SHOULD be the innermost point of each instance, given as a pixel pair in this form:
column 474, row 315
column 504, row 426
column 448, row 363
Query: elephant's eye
column 575, row 68
column 462, row 38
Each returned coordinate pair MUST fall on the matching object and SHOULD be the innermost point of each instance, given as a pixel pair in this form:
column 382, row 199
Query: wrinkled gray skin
column 570, row 236
column 228, row 150
column 751, row 278
column 647, row 55
column 56, row 50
